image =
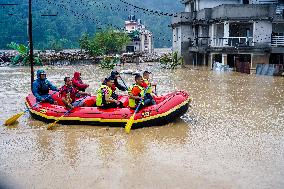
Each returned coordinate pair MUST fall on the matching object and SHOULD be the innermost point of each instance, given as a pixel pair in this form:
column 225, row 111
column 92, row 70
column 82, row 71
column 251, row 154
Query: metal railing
column 232, row 42
column 277, row 41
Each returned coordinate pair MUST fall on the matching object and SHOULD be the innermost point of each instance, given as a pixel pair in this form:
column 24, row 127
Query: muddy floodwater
column 231, row 137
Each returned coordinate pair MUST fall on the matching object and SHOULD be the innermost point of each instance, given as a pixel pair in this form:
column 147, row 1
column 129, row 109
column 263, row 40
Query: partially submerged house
column 228, row 31
column 142, row 39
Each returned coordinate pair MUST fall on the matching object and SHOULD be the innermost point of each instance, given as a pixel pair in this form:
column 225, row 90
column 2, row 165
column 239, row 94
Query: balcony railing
column 277, row 41
column 232, row 42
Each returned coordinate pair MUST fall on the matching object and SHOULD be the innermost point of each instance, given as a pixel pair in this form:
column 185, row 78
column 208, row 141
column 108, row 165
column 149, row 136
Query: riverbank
column 77, row 56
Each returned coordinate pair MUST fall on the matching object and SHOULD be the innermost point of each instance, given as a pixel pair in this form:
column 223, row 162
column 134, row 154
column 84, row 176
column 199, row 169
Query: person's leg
column 114, row 96
column 149, row 96
column 147, row 102
column 48, row 99
column 110, row 105
column 78, row 103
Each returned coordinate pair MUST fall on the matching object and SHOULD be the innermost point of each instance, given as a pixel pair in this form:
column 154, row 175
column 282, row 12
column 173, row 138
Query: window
column 245, row 1
column 176, row 34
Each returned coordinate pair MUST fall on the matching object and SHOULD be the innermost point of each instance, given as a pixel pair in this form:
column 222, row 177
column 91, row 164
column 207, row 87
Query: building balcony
column 204, row 14
column 183, row 18
column 277, row 41
column 232, row 42
column 243, row 12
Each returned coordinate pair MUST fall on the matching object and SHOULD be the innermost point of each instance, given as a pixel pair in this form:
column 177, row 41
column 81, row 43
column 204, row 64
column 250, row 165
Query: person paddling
column 136, row 94
column 41, row 87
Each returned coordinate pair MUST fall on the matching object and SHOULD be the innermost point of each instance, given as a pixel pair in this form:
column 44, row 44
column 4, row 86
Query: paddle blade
column 129, row 124
column 49, row 127
column 13, row 119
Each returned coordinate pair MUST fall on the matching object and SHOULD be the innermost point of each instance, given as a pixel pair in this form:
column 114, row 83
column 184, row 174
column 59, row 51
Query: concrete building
column 142, row 39
column 230, row 30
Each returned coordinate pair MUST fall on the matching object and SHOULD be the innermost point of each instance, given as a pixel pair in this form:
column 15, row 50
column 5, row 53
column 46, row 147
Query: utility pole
column 31, row 53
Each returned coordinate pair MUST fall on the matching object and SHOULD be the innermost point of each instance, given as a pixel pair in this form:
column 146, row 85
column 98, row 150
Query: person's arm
column 84, row 93
column 76, row 83
column 35, row 91
column 120, row 87
column 109, row 99
column 144, row 85
column 52, row 87
column 135, row 94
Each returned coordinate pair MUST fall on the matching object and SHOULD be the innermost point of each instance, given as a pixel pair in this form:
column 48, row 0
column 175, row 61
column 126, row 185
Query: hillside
column 65, row 21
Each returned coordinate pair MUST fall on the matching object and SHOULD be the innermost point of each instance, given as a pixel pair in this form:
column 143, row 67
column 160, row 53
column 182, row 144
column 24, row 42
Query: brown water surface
column 232, row 137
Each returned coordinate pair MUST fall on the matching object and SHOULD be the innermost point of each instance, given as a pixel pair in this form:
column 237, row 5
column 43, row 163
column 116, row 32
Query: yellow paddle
column 131, row 120
column 49, row 127
column 14, row 118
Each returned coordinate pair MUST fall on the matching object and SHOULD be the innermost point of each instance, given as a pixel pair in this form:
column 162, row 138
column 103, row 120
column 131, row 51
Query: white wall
column 262, row 31
column 176, row 39
column 201, row 4
column 263, row 1
column 187, row 7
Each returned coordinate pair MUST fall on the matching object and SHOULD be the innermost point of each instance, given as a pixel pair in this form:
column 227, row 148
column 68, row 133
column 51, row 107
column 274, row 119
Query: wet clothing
column 149, row 91
column 101, row 102
column 146, row 84
column 41, row 88
column 78, row 83
column 68, row 92
column 135, row 90
column 103, row 91
column 116, row 84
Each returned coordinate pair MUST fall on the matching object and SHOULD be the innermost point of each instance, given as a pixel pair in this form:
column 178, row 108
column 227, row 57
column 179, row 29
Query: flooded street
column 231, row 137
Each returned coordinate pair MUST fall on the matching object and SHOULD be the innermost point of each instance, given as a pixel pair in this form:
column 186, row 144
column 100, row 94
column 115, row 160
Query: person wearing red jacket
column 68, row 94
column 78, row 83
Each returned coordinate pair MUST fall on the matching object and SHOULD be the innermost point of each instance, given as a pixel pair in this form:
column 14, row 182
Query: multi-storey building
column 229, row 30
column 142, row 39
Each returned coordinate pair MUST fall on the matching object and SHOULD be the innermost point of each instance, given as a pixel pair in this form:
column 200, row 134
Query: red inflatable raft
column 168, row 108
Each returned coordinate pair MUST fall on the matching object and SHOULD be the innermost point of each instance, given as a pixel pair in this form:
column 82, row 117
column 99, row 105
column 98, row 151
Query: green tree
column 105, row 42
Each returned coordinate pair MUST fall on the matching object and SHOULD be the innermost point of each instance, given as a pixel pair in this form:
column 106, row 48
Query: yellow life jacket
column 133, row 102
column 149, row 90
column 100, row 97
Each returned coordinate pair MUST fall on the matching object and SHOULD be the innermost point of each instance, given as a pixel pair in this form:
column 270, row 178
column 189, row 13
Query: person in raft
column 136, row 94
column 146, row 83
column 41, row 87
column 68, row 94
column 104, row 95
column 114, row 76
column 78, row 83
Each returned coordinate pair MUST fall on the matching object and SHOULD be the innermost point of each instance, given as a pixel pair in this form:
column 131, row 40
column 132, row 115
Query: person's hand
column 141, row 98
column 117, row 102
column 42, row 99
column 89, row 94
column 87, row 85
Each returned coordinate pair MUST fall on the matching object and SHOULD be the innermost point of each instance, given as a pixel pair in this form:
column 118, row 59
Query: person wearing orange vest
column 136, row 94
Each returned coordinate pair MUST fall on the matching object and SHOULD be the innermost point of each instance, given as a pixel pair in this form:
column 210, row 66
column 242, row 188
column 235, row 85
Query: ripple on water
column 231, row 137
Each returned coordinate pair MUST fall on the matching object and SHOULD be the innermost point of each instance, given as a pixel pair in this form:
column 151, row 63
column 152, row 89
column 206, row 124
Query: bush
column 171, row 61
column 108, row 62
column 23, row 56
